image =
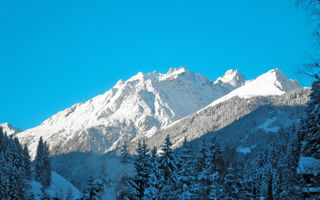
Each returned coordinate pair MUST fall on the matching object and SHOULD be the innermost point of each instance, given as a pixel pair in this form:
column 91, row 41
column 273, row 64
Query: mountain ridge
column 9, row 129
column 131, row 109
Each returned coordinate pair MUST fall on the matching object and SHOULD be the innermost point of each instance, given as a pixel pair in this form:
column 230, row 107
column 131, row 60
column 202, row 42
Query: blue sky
column 54, row 54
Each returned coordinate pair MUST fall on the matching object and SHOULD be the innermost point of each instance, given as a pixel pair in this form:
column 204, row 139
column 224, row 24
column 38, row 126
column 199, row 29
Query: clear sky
column 56, row 53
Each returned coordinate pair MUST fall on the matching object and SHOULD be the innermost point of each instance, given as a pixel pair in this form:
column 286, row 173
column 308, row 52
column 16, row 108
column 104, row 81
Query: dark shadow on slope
column 76, row 167
column 247, row 136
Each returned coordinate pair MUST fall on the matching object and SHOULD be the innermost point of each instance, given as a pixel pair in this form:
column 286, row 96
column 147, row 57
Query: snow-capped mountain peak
column 278, row 79
column 143, row 104
column 271, row 83
column 174, row 73
column 231, row 78
column 9, row 129
column 134, row 108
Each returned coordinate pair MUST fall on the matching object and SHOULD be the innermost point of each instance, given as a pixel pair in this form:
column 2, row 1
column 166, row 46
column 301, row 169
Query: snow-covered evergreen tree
column 44, row 194
column 310, row 127
column 168, row 170
column 27, row 162
column 124, row 153
column 90, row 190
column 102, row 181
column 203, row 179
column 309, row 138
column 139, row 182
column 13, row 180
column 231, row 185
column 186, row 172
column 152, row 191
column 270, row 187
column 42, row 169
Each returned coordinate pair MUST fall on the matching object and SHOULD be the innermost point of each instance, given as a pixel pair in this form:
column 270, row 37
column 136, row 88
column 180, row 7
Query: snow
column 130, row 110
column 9, row 129
column 244, row 150
column 266, row 125
column 59, row 186
column 142, row 105
column 232, row 77
column 309, row 165
column 274, row 82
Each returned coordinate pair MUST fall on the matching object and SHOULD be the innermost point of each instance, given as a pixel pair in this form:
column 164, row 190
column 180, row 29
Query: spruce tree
column 27, row 162
column 139, row 182
column 152, row 191
column 124, row 153
column 168, row 170
column 231, row 185
column 202, row 173
column 186, row 172
column 14, row 183
column 310, row 130
column 42, row 169
column 309, row 135
column 90, row 190
column 270, row 187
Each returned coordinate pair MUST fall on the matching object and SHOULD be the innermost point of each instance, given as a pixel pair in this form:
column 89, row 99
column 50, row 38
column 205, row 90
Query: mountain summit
column 272, row 83
column 9, row 129
column 131, row 109
column 232, row 78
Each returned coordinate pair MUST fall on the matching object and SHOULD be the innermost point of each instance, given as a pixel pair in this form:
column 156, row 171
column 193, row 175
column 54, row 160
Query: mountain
column 231, row 79
column 238, row 121
column 180, row 103
column 262, row 91
column 272, row 83
column 9, row 129
column 131, row 109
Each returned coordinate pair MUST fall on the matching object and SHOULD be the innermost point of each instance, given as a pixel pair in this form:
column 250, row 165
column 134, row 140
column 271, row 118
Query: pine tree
column 216, row 165
column 139, row 182
column 102, row 181
column 186, row 171
column 309, row 134
column 231, row 185
column 270, row 187
column 152, row 191
column 292, row 179
column 154, row 152
column 168, row 169
column 310, row 130
column 27, row 162
column 44, row 194
column 203, row 179
column 42, row 169
column 90, row 190
column 13, row 181
column 124, row 153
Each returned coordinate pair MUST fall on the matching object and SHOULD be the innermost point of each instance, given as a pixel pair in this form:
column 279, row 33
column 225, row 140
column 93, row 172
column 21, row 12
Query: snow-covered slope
column 272, row 83
column 223, row 112
column 238, row 120
column 134, row 108
column 60, row 188
column 9, row 129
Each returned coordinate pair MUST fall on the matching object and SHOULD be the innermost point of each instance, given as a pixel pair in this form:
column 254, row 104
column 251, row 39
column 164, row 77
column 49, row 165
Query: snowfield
column 60, row 187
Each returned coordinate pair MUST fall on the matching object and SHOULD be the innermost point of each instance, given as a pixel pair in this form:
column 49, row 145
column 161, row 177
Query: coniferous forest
column 206, row 170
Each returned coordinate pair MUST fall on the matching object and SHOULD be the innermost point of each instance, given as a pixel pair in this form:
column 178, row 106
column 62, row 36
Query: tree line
column 17, row 171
